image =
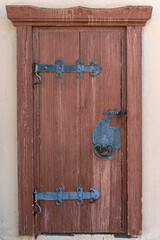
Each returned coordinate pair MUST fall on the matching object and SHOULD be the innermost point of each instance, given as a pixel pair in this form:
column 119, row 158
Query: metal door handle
column 103, row 151
column 106, row 138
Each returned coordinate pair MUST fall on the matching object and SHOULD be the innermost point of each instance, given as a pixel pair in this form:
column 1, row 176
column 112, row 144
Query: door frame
column 132, row 18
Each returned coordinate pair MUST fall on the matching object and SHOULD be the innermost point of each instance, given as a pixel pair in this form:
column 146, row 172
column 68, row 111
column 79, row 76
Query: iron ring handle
column 109, row 154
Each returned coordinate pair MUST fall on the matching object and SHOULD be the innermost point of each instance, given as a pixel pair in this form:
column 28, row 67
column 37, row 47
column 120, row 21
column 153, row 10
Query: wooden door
column 66, row 110
column 56, row 120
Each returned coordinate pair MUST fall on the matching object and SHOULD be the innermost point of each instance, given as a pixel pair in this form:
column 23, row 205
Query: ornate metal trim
column 59, row 196
column 94, row 69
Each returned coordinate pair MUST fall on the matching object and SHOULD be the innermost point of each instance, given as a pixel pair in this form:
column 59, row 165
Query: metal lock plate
column 106, row 138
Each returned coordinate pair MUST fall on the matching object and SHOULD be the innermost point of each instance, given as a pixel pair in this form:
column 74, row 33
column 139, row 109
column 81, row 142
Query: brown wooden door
column 66, row 111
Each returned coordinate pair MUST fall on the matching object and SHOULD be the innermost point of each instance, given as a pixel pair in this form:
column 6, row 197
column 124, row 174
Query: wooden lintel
column 78, row 16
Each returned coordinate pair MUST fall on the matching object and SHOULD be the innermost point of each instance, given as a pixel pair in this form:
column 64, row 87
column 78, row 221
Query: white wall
column 151, row 119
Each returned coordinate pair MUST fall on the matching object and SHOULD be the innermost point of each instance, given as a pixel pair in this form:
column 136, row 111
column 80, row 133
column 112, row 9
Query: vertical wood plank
column 124, row 133
column 36, row 126
column 111, row 96
column 99, row 94
column 59, row 131
column 90, row 106
column 134, row 129
column 25, row 128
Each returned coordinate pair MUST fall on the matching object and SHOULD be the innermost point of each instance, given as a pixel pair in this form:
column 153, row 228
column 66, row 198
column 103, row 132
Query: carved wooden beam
column 81, row 16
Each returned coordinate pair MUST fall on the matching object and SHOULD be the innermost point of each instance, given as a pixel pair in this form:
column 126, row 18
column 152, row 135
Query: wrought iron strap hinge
column 94, row 68
column 93, row 195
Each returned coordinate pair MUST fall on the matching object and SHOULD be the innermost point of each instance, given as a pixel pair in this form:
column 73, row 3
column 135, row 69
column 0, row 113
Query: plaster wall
column 151, row 120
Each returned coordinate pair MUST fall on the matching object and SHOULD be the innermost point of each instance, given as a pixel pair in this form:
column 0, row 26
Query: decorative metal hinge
column 94, row 68
column 93, row 195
